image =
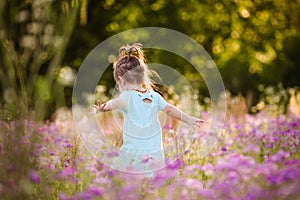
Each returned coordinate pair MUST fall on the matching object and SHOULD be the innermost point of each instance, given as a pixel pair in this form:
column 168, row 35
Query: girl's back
column 141, row 129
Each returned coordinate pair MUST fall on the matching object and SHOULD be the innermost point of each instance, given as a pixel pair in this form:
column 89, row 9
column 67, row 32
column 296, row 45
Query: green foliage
column 34, row 36
column 253, row 42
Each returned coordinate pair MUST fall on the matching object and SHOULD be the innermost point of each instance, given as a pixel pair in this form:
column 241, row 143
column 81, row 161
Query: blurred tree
column 33, row 38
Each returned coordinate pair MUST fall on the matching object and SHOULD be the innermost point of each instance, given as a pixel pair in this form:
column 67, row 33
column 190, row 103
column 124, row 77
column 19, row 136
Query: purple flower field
column 256, row 157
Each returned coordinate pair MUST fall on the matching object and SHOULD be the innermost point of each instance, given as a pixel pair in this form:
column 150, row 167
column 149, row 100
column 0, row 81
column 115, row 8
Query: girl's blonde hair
column 131, row 66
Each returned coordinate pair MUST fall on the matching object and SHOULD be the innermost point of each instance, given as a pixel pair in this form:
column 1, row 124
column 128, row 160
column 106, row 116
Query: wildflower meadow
column 256, row 157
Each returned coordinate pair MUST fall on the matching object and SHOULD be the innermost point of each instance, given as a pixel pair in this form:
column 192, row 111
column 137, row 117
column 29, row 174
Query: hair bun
column 135, row 49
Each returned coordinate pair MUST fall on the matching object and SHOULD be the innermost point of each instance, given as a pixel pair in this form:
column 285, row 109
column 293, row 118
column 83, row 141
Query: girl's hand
column 99, row 107
column 195, row 122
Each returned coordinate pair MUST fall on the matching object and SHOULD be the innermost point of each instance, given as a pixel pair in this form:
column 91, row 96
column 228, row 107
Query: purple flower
column 110, row 172
column 206, row 193
column 167, row 127
column 186, row 152
column 112, row 154
column 162, row 176
column 225, row 190
column 294, row 124
column 68, row 171
column 95, row 191
column 255, row 192
column 281, row 176
column 192, row 169
column 193, row 183
column 176, row 164
column 223, row 149
column 67, row 162
column 146, row 159
column 290, row 174
column 292, row 162
column 252, row 148
column 208, row 169
column 85, row 195
column 63, row 196
column 278, row 157
column 34, row 177
column 265, row 169
column 127, row 190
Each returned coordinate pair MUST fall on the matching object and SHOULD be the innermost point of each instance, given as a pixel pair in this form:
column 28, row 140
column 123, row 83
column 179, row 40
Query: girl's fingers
column 198, row 123
column 102, row 106
column 99, row 107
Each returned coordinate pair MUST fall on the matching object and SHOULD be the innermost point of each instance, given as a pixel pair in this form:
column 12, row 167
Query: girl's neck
column 130, row 86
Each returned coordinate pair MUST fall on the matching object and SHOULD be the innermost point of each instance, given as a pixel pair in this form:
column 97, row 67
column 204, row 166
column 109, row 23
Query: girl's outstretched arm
column 109, row 105
column 178, row 114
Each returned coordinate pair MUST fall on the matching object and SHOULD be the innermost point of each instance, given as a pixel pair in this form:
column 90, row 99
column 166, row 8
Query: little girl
column 142, row 148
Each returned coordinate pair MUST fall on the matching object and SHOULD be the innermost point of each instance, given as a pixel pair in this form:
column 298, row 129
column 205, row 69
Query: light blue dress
column 142, row 149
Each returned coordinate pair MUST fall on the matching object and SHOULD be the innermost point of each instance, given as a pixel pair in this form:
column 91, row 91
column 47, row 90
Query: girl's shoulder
column 126, row 92
column 155, row 93
column 132, row 93
column 124, row 95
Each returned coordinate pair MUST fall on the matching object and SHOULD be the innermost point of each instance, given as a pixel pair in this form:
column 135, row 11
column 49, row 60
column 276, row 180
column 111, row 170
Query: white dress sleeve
column 124, row 97
column 161, row 102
